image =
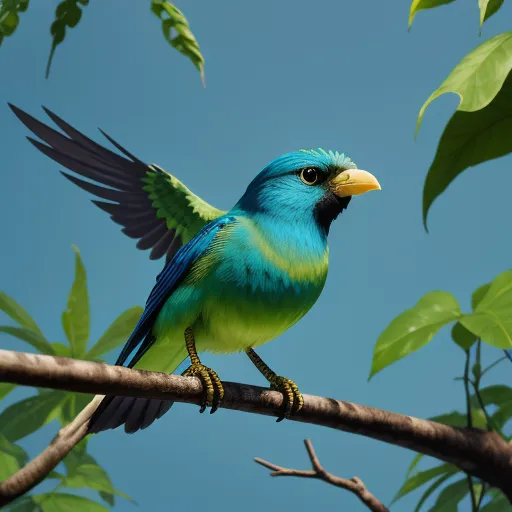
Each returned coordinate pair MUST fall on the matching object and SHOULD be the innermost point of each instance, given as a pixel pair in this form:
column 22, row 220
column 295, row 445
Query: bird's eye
column 309, row 176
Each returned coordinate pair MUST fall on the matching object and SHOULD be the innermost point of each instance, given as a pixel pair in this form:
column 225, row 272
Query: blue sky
column 280, row 76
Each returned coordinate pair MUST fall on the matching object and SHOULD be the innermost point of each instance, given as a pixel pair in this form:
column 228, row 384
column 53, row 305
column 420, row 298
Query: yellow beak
column 353, row 182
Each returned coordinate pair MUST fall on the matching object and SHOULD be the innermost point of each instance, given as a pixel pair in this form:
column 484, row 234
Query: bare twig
column 483, row 454
column 354, row 485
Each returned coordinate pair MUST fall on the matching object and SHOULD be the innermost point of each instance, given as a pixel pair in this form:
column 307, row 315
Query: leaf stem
column 492, row 365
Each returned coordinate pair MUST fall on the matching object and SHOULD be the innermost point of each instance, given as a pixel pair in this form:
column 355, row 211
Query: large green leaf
column 479, row 294
column 75, row 319
column 177, row 32
column 491, row 320
column 9, row 16
column 67, row 14
column 26, row 416
column 19, row 314
column 470, row 138
column 5, row 389
column 488, row 8
column 60, row 502
column 462, row 337
column 414, row 328
column 117, row 333
column 38, row 341
column 451, row 495
column 478, row 77
column 12, row 458
column 420, row 5
column 431, row 489
column 422, row 477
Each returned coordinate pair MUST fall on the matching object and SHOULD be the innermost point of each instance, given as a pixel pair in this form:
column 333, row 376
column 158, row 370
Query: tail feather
column 135, row 413
column 139, row 413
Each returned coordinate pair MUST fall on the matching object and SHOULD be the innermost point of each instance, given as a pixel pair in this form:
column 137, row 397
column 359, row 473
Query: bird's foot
column 214, row 391
column 293, row 401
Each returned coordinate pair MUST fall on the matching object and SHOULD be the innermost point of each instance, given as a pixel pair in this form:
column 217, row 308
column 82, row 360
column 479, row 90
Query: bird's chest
column 258, row 291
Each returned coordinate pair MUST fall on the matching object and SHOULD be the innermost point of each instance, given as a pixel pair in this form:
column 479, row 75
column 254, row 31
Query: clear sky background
column 280, row 76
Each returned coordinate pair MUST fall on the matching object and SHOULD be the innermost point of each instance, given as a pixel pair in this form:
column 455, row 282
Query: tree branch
column 354, row 485
column 483, row 454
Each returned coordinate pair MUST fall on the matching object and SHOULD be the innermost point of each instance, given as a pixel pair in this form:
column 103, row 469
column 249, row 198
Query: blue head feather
column 278, row 191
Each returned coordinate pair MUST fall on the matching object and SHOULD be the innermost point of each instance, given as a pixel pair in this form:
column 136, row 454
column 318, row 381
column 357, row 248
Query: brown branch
column 354, row 485
column 483, row 454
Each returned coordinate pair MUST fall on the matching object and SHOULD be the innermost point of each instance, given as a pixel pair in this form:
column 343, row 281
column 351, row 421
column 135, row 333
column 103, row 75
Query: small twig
column 354, row 485
column 492, row 365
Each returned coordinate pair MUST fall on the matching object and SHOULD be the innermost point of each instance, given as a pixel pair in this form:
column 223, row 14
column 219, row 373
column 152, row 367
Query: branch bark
column 354, row 485
column 483, row 454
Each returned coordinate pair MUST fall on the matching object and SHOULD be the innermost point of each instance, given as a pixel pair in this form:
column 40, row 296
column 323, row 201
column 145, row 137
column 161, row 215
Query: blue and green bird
column 233, row 280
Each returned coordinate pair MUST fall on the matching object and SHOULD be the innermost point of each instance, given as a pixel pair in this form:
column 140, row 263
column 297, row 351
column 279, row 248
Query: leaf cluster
column 28, row 415
column 68, row 14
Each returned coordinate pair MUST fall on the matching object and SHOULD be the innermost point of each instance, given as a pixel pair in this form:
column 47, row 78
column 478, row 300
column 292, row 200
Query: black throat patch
column 329, row 207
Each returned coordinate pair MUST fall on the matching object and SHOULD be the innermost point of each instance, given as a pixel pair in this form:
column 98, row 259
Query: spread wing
column 148, row 202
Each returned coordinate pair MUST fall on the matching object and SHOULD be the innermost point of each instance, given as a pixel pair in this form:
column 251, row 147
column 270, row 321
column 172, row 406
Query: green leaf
column 414, row 328
column 462, row 337
column 9, row 16
column 12, row 458
column 117, row 333
column 431, row 489
column 108, row 498
column 67, row 14
column 491, row 320
column 479, row 294
column 497, row 394
column 451, row 495
column 470, row 138
column 457, row 419
column 5, row 389
column 422, row 477
column 91, row 476
column 10, row 307
column 62, row 350
column 25, row 504
column 177, row 32
column 488, row 8
column 500, row 418
column 75, row 319
column 38, row 341
column 26, row 416
column 498, row 503
column 60, row 502
column 478, row 77
column 72, row 405
column 420, row 5
column 85, row 472
column 414, row 463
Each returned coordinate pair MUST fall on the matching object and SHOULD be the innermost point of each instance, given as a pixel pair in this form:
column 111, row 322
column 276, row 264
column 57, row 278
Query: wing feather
column 149, row 203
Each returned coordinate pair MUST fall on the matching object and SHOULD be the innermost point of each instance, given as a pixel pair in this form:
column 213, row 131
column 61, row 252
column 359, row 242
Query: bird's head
column 307, row 184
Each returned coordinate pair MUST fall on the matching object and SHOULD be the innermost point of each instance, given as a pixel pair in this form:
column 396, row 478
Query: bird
column 233, row 280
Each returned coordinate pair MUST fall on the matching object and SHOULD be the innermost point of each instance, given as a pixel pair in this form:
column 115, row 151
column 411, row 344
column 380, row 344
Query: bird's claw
column 293, row 400
column 213, row 389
